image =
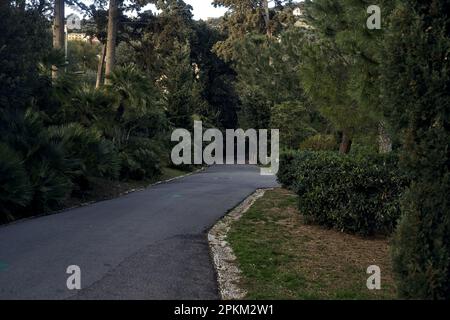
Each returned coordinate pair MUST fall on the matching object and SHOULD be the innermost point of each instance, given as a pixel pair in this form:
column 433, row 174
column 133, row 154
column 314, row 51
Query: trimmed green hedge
column 352, row 193
column 287, row 168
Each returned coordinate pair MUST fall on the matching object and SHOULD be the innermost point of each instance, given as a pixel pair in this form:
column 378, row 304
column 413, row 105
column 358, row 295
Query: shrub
column 15, row 187
column 139, row 160
column 352, row 194
column 50, row 188
column 87, row 106
column 42, row 158
column 320, row 142
column 89, row 154
column 289, row 162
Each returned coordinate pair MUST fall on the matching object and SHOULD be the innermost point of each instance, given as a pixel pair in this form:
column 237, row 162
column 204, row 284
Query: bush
column 50, row 188
column 139, row 160
column 89, row 154
column 320, row 142
column 87, row 106
column 42, row 158
column 352, row 194
column 15, row 187
column 289, row 162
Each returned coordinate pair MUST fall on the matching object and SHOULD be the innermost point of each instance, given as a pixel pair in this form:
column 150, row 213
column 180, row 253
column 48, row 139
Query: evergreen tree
column 26, row 41
column 177, row 85
column 342, row 67
column 245, row 17
column 252, row 47
column 215, row 77
column 416, row 82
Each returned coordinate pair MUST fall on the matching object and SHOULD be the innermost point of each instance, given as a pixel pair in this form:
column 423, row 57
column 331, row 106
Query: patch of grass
column 283, row 258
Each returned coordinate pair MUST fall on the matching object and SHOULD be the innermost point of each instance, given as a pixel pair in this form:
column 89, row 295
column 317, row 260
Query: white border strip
column 227, row 269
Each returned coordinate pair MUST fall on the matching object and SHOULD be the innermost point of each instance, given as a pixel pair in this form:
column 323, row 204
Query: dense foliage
column 356, row 194
column 311, row 69
column 376, row 89
column 60, row 135
column 416, row 83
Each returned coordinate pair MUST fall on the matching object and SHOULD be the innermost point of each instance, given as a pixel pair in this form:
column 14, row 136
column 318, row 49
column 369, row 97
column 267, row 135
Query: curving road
column 146, row 245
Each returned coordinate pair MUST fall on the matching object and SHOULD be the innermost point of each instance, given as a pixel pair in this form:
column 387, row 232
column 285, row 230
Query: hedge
column 352, row 193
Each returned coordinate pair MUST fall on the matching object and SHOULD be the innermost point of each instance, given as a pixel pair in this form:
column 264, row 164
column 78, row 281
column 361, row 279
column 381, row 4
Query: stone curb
column 224, row 259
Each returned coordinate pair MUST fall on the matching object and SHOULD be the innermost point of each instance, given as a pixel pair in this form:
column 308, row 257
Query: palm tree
column 58, row 31
column 112, row 38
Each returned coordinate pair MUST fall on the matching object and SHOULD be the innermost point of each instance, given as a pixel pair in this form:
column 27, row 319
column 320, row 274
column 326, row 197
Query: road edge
column 227, row 270
column 85, row 204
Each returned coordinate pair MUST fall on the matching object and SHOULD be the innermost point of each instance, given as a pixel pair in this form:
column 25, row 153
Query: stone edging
column 227, row 270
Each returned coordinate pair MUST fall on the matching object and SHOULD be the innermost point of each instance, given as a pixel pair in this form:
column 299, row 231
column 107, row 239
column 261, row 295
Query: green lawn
column 282, row 258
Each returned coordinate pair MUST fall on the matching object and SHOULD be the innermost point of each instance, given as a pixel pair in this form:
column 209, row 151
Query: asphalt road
column 146, row 245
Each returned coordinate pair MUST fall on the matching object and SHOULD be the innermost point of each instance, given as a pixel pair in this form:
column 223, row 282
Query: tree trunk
column 101, row 65
column 384, row 140
column 267, row 17
column 58, row 31
column 346, row 144
column 112, row 38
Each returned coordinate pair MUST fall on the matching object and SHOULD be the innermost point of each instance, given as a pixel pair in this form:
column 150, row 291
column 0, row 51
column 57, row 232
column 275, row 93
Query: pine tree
column 247, row 17
column 177, row 84
column 342, row 67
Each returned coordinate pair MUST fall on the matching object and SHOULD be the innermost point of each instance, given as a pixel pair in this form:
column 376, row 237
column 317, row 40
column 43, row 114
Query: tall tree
column 253, row 30
column 58, row 31
column 215, row 77
column 243, row 17
column 111, row 41
column 415, row 83
column 267, row 17
column 177, row 84
column 25, row 43
column 350, row 55
column 249, row 16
